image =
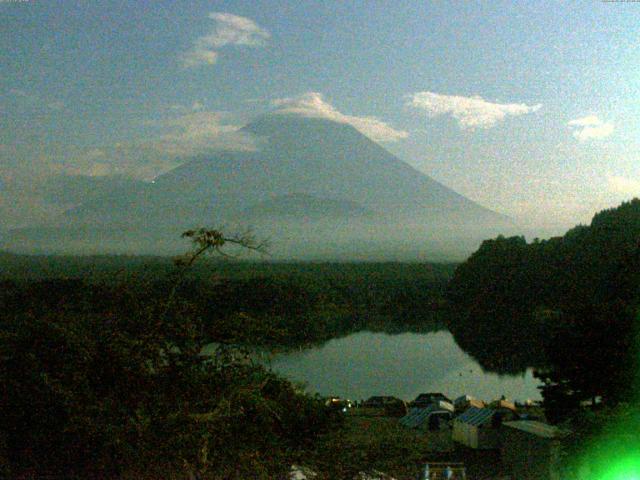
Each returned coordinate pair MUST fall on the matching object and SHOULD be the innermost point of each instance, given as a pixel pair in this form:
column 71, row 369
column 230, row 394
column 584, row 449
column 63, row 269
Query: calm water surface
column 365, row 364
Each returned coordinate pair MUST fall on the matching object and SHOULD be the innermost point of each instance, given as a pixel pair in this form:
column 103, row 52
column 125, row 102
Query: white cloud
column 588, row 121
column 312, row 105
column 228, row 29
column 623, row 185
column 198, row 56
column 470, row 112
column 600, row 131
column 590, row 127
column 199, row 132
column 178, row 136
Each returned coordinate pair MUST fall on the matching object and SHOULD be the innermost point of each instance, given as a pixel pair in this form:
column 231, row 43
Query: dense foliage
column 273, row 305
column 107, row 381
column 101, row 375
column 566, row 304
column 110, row 391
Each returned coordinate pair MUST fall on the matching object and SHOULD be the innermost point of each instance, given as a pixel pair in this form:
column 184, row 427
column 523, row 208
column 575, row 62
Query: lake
column 403, row 365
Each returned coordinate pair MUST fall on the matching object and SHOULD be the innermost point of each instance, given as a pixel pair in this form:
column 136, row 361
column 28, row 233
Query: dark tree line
column 276, row 306
column 115, row 386
column 568, row 305
column 103, row 377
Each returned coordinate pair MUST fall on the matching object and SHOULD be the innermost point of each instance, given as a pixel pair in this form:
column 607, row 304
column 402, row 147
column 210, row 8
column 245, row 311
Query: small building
column 465, row 401
column 434, row 417
column 378, row 401
column 386, row 405
column 443, row 405
column 478, row 428
column 503, row 404
column 530, row 449
column 425, row 399
column 337, row 403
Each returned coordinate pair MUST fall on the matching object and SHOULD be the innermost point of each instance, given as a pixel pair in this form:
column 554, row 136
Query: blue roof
column 476, row 416
column 417, row 416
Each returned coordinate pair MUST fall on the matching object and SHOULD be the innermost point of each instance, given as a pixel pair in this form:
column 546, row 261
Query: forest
column 568, row 305
column 274, row 305
column 101, row 372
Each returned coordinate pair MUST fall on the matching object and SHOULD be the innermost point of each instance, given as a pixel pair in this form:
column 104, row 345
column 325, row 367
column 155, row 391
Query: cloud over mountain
column 200, row 131
column 171, row 138
column 313, row 105
column 469, row 112
column 590, row 127
column 228, row 29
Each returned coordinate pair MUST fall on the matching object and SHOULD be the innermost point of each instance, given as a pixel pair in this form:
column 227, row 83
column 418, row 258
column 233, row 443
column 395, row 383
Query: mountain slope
column 334, row 160
column 304, row 207
column 27, row 200
column 309, row 179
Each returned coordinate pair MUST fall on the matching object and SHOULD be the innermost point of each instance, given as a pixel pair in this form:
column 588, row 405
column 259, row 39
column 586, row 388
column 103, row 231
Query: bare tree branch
column 211, row 241
column 206, row 240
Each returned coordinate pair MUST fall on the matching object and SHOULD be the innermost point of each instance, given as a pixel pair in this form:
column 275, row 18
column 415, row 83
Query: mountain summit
column 317, row 187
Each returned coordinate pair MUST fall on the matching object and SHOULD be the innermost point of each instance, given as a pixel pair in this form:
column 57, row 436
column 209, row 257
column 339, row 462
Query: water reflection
column 403, row 365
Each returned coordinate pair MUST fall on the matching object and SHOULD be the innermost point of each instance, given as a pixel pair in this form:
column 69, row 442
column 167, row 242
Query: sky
column 529, row 108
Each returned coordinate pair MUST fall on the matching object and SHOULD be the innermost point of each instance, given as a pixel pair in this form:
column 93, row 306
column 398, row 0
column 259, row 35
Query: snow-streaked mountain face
column 314, row 185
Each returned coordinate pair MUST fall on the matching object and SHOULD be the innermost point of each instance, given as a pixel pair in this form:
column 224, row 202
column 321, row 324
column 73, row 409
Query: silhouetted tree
column 567, row 305
column 93, row 391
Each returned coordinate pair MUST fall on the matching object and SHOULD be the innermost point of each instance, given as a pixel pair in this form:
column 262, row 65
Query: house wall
column 465, row 434
column 483, row 438
column 527, row 456
column 457, row 434
column 488, row 438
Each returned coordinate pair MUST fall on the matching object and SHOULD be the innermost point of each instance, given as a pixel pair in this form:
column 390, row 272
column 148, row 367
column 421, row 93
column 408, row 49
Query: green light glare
column 614, row 459
column 615, row 453
column 625, row 469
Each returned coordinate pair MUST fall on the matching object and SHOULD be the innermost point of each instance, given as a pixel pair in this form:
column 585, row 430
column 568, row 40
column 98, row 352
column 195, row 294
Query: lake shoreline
column 363, row 364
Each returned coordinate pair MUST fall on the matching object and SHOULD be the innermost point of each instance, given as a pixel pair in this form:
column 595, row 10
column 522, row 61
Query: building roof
column 476, row 416
column 503, row 404
column 431, row 397
column 536, row 428
column 476, row 403
column 382, row 399
column 468, row 400
column 417, row 416
column 442, row 405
